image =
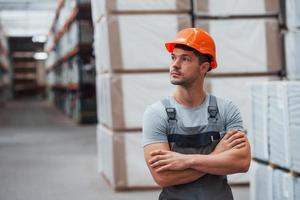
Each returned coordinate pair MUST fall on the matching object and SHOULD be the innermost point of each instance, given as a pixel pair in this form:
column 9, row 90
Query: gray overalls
column 196, row 140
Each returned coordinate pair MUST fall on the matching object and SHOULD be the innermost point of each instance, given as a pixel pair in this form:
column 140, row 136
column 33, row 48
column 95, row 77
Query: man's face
column 185, row 67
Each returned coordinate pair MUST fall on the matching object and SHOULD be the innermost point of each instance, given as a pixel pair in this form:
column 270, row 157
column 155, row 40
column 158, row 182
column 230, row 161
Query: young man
column 193, row 139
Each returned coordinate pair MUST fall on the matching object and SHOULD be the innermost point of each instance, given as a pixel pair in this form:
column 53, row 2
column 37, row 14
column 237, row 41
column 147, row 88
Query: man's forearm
column 175, row 177
column 228, row 162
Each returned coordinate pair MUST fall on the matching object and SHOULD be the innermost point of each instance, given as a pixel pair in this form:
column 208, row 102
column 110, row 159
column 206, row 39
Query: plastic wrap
column 121, row 159
column 284, row 124
column 283, row 188
column 279, row 125
column 292, row 13
column 292, row 50
column 234, row 7
column 123, row 98
column 103, row 7
column 259, row 134
column 136, row 42
column 261, row 182
column 297, row 188
column 245, row 45
column 294, row 119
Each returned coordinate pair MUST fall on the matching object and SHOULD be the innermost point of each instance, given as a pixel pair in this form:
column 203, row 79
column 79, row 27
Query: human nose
column 176, row 63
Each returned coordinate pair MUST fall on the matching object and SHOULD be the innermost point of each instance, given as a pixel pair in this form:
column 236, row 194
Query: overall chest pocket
column 194, row 141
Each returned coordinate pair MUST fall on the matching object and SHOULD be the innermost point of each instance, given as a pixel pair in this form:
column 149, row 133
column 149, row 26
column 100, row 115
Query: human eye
column 186, row 59
column 173, row 57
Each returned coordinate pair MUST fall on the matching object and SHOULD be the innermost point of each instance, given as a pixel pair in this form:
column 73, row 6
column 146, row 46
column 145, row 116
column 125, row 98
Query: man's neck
column 190, row 97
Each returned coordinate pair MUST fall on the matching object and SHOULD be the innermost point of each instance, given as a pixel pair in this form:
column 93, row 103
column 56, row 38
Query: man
column 193, row 139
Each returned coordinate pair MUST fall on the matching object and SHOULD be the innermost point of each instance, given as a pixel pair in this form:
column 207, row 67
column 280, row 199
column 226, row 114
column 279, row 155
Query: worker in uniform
column 193, row 139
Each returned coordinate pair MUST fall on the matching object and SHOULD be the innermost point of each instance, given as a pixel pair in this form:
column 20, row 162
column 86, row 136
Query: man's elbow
column 161, row 181
column 246, row 165
column 246, row 159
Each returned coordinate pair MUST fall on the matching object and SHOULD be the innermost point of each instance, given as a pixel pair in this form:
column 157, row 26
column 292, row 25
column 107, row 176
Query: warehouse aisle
column 44, row 155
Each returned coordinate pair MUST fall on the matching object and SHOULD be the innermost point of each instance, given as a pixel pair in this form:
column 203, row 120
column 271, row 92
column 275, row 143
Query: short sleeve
column 233, row 118
column 154, row 127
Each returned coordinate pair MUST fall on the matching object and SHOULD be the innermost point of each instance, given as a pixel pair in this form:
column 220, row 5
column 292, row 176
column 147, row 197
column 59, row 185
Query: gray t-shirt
column 155, row 120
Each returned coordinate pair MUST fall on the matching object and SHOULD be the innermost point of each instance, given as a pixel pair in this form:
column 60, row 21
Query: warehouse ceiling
column 26, row 17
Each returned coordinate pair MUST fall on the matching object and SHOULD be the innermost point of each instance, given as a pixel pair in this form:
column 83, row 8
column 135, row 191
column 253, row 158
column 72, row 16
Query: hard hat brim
column 170, row 46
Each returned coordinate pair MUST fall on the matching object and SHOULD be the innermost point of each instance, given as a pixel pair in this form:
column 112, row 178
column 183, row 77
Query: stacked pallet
column 248, row 45
column 4, row 68
column 283, row 112
column 70, row 65
column 276, row 139
column 132, row 72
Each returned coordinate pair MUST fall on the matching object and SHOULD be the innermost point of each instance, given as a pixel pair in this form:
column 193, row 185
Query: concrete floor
column 44, row 155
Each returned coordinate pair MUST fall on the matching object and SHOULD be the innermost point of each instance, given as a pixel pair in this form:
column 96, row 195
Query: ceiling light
column 40, row 56
column 39, row 38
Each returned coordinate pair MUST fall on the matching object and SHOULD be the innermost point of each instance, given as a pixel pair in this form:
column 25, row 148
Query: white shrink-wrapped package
column 293, row 98
column 259, row 130
column 233, row 7
column 296, row 188
column 284, row 125
column 261, row 182
column 121, row 159
column 103, row 7
column 292, row 51
column 292, row 13
column 123, row 98
column 279, row 125
column 283, row 187
column 136, row 42
column 245, row 45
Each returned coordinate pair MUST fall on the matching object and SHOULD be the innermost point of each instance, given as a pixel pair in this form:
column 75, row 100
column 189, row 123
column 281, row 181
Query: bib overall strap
column 212, row 110
column 171, row 112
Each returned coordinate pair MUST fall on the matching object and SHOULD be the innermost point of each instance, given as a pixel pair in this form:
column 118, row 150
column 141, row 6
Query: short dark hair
column 201, row 57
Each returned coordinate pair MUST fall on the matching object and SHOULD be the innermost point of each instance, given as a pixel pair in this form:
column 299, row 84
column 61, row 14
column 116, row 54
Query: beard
column 177, row 82
column 181, row 82
column 184, row 81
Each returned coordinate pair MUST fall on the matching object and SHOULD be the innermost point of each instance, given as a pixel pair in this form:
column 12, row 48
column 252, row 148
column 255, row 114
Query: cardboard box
column 245, row 45
column 136, row 42
column 123, row 98
column 121, row 159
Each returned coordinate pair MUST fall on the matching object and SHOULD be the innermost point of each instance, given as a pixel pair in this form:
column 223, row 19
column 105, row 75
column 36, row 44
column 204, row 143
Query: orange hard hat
column 198, row 39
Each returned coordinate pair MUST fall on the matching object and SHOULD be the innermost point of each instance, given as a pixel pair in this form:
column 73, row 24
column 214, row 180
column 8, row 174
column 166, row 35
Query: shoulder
column 156, row 108
column 155, row 111
column 225, row 105
column 230, row 113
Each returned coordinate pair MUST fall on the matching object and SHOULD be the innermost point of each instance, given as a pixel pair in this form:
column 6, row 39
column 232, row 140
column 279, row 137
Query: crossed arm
column 231, row 155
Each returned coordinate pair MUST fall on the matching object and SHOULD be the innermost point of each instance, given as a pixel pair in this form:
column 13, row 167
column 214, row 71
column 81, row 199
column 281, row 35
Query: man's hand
column 163, row 160
column 168, row 160
column 232, row 139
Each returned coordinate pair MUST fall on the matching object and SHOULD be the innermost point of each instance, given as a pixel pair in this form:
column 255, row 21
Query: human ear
column 205, row 67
